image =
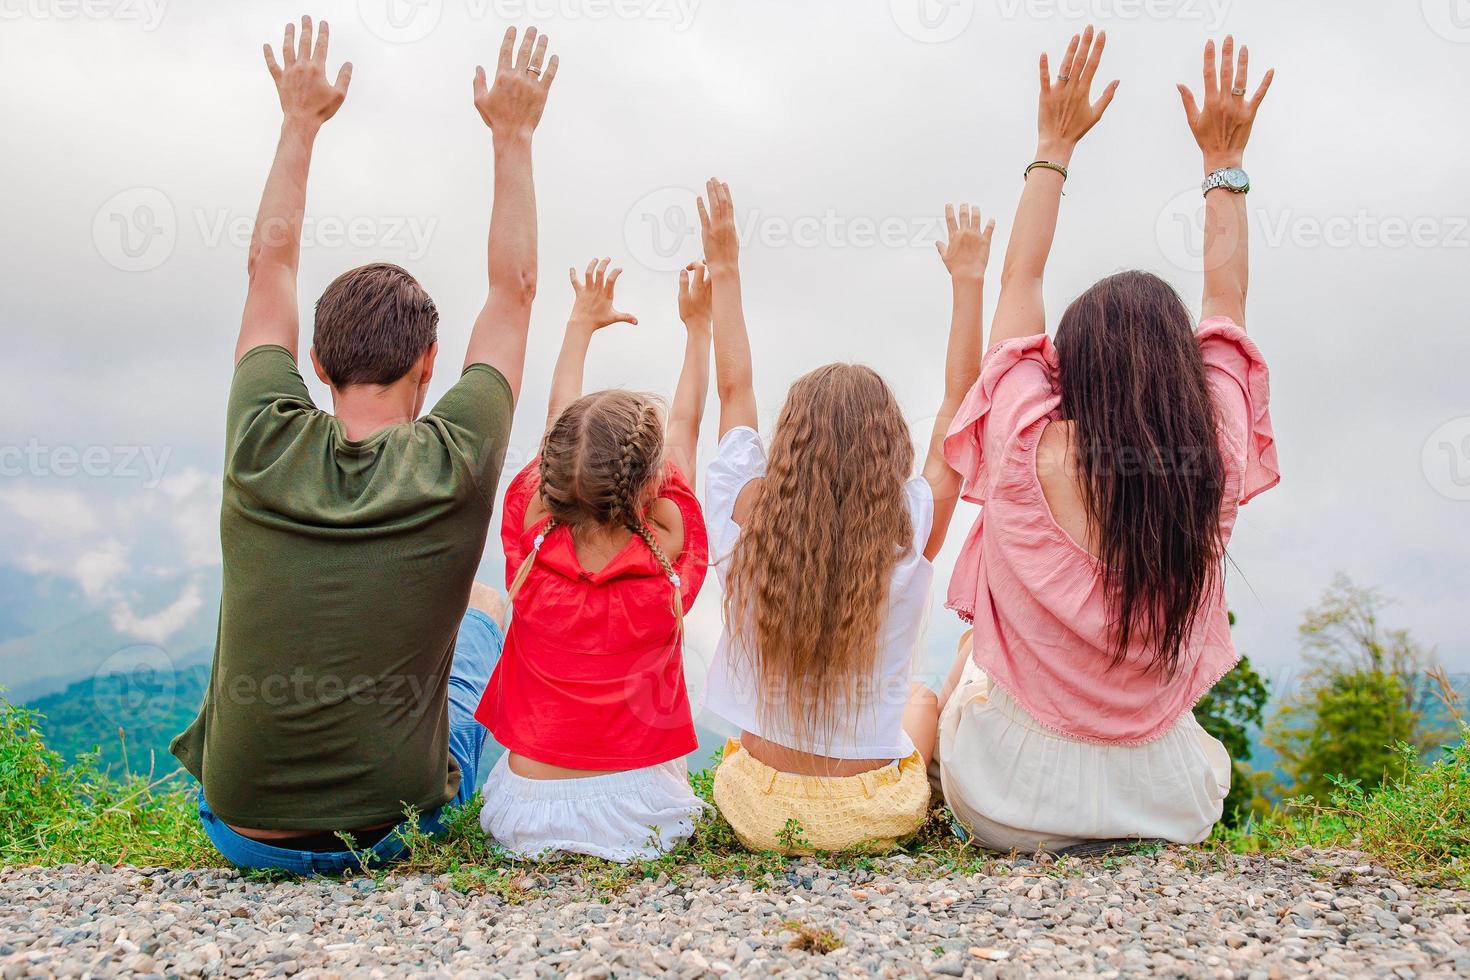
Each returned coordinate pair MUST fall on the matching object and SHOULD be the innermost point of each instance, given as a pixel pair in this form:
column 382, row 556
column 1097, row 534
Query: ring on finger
column 533, row 69
column 1237, row 92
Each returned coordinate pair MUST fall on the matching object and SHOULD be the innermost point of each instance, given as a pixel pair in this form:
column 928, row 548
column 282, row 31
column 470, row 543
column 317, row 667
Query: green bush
column 1416, row 823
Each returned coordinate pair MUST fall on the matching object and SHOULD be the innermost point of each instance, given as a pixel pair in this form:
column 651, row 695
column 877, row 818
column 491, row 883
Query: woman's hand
column 695, row 296
column 1222, row 125
column 717, row 227
column 593, row 308
column 306, row 95
column 1066, row 110
column 967, row 252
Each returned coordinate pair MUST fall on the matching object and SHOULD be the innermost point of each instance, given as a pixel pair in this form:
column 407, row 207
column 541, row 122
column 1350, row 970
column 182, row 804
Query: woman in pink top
column 1111, row 465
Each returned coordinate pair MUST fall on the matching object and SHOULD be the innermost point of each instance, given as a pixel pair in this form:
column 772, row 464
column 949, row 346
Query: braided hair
column 599, row 460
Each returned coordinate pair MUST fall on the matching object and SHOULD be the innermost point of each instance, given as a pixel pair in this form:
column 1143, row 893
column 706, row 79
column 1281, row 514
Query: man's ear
column 321, row 372
column 426, row 364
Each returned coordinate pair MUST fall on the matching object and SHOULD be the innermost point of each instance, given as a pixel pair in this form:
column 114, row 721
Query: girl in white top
column 824, row 548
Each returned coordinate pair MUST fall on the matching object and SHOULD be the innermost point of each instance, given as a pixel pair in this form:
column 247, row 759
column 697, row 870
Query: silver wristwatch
column 1233, row 179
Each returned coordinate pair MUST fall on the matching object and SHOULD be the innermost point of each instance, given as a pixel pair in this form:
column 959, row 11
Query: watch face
column 1235, row 178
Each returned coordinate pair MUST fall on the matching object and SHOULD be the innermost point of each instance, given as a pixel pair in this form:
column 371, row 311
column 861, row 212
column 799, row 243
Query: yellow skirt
column 771, row 810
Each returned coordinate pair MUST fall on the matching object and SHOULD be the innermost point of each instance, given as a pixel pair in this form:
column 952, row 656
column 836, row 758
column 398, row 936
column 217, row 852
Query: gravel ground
column 1175, row 913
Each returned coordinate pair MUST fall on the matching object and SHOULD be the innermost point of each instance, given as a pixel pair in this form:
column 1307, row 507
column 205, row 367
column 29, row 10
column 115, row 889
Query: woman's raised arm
column 1065, row 115
column 1221, row 124
column 733, row 376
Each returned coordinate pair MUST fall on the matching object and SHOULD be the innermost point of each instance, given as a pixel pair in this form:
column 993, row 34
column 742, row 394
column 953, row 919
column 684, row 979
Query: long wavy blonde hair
column 808, row 584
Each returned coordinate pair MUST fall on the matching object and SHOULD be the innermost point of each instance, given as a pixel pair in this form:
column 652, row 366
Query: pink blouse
column 1035, row 597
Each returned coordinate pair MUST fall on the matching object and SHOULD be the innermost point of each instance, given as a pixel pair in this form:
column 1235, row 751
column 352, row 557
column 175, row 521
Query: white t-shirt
column 874, row 718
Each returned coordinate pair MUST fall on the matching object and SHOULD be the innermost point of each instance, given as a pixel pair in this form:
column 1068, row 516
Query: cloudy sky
column 140, row 132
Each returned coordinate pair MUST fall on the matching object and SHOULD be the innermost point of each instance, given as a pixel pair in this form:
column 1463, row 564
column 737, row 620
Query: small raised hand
column 695, row 296
column 593, row 308
column 1066, row 111
column 717, row 226
column 1222, row 120
column 512, row 104
column 967, row 252
column 301, row 75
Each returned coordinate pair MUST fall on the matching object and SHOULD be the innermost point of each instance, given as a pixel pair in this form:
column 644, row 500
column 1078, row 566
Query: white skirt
column 620, row 816
column 1016, row 786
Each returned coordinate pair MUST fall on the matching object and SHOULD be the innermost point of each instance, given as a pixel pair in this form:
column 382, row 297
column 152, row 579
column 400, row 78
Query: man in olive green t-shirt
column 347, row 667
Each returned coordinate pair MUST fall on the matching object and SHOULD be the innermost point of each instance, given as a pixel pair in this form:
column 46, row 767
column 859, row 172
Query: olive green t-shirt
column 347, row 569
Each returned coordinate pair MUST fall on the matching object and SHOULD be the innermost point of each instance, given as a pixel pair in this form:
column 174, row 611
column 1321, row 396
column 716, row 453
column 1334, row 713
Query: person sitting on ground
column 605, row 551
column 824, row 547
column 1111, row 466
column 338, row 698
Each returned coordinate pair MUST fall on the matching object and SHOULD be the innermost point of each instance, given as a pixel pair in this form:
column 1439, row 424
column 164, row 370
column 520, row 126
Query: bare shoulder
column 668, row 526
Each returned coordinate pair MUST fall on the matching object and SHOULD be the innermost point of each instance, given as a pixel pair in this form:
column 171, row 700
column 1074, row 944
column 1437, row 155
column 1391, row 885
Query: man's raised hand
column 301, row 76
column 512, row 105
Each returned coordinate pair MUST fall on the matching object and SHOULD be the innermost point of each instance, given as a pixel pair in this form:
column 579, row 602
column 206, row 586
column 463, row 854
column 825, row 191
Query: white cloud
column 96, row 570
column 64, row 513
column 157, row 627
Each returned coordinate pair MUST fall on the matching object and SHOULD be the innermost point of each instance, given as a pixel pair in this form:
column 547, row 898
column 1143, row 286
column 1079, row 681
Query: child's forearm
column 571, row 362
column 734, row 375
column 686, row 414
column 962, row 357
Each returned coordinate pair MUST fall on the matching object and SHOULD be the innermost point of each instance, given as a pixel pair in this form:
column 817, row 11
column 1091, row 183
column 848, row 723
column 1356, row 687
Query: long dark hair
column 1151, row 477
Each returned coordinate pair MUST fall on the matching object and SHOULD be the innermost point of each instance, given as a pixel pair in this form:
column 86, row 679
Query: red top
column 592, row 676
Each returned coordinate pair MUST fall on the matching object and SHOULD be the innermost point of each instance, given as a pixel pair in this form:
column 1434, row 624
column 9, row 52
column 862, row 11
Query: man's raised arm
column 511, row 107
column 307, row 101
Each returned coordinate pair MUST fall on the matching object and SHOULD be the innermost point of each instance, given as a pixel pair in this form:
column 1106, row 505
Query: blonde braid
column 646, row 533
column 525, row 570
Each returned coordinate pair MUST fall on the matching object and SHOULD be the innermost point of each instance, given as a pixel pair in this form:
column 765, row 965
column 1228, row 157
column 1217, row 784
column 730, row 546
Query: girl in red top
column 606, row 550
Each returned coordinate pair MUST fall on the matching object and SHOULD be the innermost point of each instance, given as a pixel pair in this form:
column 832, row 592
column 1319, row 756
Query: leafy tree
column 1229, row 711
column 1364, row 692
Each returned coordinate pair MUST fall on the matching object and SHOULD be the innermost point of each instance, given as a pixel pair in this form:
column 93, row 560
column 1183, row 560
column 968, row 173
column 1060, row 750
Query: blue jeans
column 476, row 652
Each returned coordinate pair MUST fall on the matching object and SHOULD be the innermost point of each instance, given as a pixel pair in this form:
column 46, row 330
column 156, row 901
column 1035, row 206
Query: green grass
column 53, row 812
column 1416, row 824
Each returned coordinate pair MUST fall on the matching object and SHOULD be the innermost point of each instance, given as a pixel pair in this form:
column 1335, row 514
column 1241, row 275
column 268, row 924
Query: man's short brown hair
column 372, row 323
